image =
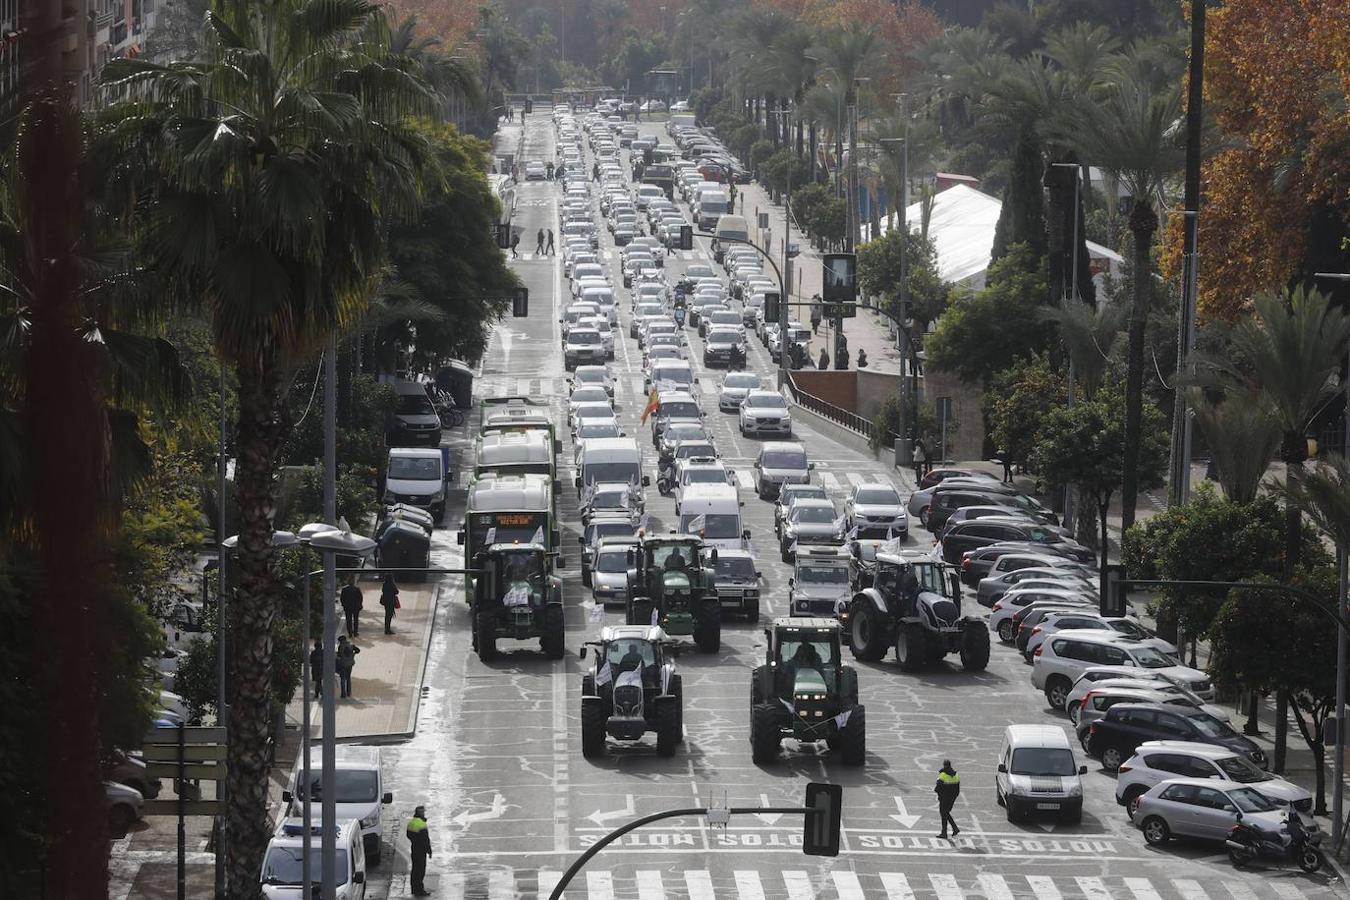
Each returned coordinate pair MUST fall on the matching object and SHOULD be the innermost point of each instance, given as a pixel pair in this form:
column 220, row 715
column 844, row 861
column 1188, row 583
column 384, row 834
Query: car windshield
column 690, row 449
column 675, row 376
column 822, row 574
column 679, row 431
column 600, row 429
column 678, row 409
column 1042, row 761
column 814, row 653
column 600, row 530
column 783, row 460
column 414, row 405
column 813, row 514
column 879, row 496
column 590, row 395
column 1210, row 726
column 593, row 473
column 1149, row 658
column 804, row 492
column 712, row 525
column 1133, row 629
column 351, row 785
column 768, row 401
column 612, row 561
column 591, row 376
column 1235, row 768
column 583, row 337
column 284, row 865
column 1250, row 800
column 705, row 476
column 610, row 498
column 744, row 380
column 735, row 568
column 404, row 469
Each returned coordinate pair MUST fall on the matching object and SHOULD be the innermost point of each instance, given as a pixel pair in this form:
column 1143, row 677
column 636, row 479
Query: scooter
column 1296, row 843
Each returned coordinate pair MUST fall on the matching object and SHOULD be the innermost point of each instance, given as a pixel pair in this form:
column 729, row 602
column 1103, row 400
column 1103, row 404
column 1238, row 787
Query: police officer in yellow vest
column 948, row 787
column 420, row 838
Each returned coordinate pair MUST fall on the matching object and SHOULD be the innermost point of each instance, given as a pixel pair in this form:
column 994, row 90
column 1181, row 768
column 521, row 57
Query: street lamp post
column 904, row 448
column 1072, row 293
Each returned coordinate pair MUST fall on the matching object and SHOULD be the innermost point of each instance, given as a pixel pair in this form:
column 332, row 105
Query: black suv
column 948, row 500
column 976, row 533
column 1114, row 737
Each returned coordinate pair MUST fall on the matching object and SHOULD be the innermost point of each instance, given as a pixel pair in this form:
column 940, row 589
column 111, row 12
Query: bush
column 777, row 168
column 760, row 151
column 743, row 138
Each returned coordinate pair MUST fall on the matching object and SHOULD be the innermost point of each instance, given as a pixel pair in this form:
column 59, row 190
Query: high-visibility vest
column 949, row 779
column 415, row 824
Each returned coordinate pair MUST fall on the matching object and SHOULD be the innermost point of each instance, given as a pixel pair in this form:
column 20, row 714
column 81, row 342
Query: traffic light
column 503, row 237
column 821, row 837
column 771, row 310
column 520, row 303
column 686, row 237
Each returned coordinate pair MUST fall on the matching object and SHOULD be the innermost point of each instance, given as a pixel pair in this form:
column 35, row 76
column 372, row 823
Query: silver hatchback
column 1204, row 808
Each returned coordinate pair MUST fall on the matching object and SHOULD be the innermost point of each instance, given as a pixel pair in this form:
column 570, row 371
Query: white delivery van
column 729, row 230
column 283, row 870
column 359, row 788
column 681, row 120
column 712, row 205
column 714, row 511
column 608, row 460
column 1037, row 773
column 416, row 476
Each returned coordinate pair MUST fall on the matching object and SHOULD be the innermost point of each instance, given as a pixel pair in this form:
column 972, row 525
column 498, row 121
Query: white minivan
column 713, row 511
column 416, row 476
column 359, row 789
column 283, row 870
column 1037, row 773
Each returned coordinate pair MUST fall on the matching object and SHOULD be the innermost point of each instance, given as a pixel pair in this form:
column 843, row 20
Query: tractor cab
column 520, row 572
column 631, row 688
column 519, row 599
column 672, row 583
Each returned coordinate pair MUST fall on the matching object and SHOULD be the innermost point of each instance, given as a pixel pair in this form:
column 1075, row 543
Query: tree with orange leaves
column 1277, row 205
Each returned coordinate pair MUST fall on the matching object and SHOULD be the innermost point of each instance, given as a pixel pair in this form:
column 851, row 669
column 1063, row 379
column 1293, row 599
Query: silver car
column 609, row 571
column 876, row 508
column 1205, row 808
column 735, row 387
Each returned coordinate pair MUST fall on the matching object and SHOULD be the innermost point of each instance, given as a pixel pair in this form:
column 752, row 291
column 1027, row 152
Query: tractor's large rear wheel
column 551, row 641
column 869, row 638
column 708, row 630
column 853, row 737
column 910, row 648
column 592, row 730
column 974, row 646
column 667, row 726
column 485, row 636
column 676, row 690
column 764, row 736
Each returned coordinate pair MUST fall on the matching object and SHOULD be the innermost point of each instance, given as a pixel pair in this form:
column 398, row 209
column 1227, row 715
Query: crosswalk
column 847, row 884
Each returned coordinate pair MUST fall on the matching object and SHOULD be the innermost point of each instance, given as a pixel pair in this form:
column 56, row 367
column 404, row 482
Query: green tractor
column 672, row 582
column 805, row 692
column 519, row 598
column 631, row 689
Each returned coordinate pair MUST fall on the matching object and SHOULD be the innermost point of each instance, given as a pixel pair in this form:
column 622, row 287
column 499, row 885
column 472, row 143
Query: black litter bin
column 404, row 545
column 456, row 379
column 405, row 513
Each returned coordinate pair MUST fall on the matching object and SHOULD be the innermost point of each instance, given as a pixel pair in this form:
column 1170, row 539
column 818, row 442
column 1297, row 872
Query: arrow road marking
column 497, row 810
column 904, row 817
column 767, row 818
column 601, row 818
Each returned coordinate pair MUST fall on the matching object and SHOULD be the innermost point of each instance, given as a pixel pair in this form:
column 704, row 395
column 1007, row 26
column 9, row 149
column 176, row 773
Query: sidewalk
column 387, row 680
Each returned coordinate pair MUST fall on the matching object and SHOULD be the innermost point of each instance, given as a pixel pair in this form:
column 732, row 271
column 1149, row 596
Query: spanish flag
column 651, row 406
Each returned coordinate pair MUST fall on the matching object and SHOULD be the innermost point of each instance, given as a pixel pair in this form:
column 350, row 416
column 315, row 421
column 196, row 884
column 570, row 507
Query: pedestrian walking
column 515, row 242
column 862, row 358
column 550, row 249
column 389, row 600
column 539, row 243
column 824, row 359
column 948, row 788
column 816, row 314
column 549, row 174
column 920, row 458
column 352, row 602
column 346, row 661
column 420, row 839
column 595, row 172
column 316, row 668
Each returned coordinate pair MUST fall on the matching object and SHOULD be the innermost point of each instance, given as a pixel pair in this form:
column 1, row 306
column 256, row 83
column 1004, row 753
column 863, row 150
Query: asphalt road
column 512, row 802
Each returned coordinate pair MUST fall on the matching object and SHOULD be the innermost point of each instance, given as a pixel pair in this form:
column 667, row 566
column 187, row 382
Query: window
column 1180, row 793
column 1138, row 718
column 1073, row 650
column 1112, row 656
column 1170, row 724
column 1210, row 798
column 1170, row 762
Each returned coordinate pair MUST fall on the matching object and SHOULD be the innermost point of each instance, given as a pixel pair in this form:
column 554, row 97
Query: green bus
column 509, row 509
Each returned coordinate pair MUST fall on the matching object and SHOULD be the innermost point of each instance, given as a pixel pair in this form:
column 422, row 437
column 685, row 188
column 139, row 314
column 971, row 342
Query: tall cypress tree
column 1022, row 219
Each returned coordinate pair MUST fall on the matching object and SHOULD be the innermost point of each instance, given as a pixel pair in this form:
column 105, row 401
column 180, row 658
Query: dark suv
column 1114, row 737
column 948, row 500
column 976, row 533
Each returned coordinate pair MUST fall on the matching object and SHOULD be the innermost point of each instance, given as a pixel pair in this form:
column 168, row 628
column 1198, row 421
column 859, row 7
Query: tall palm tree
column 751, row 38
column 266, row 173
column 451, row 76
column 845, row 52
column 1242, row 436
column 791, row 65
column 1128, row 127
column 1088, row 335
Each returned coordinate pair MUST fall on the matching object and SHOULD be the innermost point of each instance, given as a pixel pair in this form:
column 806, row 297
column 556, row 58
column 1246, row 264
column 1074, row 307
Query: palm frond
column 1322, row 493
column 1242, row 438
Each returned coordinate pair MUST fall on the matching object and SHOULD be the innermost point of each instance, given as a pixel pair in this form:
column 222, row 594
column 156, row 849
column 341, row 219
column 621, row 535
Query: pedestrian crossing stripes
column 845, row 884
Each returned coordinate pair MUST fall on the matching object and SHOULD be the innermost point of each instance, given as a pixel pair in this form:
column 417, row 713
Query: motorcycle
column 679, row 316
column 1296, row 843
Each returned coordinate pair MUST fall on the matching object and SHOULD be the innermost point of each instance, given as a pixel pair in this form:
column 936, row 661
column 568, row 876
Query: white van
column 359, row 788
column 416, row 476
column 712, row 205
column 713, row 510
column 1037, row 773
column 283, row 871
column 732, row 227
column 610, row 460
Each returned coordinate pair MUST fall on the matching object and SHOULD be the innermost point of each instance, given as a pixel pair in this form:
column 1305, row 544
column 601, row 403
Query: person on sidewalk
column 515, row 242
column 420, row 839
column 920, row 458
column 824, row 359
column 352, row 602
column 816, row 314
column 316, row 668
column 539, row 243
column 389, row 600
column 948, row 788
column 862, row 358
column 549, row 249
column 346, row 661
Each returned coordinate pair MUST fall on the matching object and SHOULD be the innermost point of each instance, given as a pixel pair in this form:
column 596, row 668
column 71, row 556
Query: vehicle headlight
column 1075, row 789
column 371, row 820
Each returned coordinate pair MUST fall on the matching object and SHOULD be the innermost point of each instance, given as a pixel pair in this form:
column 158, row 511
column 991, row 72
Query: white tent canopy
column 962, row 229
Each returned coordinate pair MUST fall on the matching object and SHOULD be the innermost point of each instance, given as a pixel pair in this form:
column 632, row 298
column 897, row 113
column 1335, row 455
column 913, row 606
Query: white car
column 765, row 412
column 876, row 508
column 124, row 806
column 585, row 395
column 735, row 387
column 1157, row 761
column 593, row 376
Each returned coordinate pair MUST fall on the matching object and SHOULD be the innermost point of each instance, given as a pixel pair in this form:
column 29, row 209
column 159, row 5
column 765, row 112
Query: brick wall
column 968, row 443
column 836, row 388
column 874, row 389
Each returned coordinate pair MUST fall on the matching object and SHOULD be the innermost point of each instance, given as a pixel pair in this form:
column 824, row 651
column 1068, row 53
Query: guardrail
column 840, row 416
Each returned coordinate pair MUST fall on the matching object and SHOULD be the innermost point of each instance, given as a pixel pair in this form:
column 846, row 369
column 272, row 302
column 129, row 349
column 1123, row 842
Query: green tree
column 1018, row 400
column 980, row 335
column 879, row 274
column 1242, row 437
column 1083, row 445
column 1021, row 219
column 1088, row 335
column 267, row 174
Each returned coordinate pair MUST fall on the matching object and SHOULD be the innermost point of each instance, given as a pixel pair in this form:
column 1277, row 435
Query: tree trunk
column 1058, row 228
column 1281, row 749
column 1143, row 222
column 797, row 107
column 813, row 142
column 1294, row 452
column 68, row 449
column 259, row 435
column 1104, row 550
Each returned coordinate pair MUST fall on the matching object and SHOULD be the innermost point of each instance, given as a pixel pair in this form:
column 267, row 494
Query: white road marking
column 846, row 883
column 946, row 888
column 1239, row 890
column 548, row 880
column 896, row 886
column 1093, row 888
column 748, row 886
column 1142, row 889
column 855, row 479
column 745, row 479
column 600, row 885
column 699, row 884
column 1189, row 889
column 501, row 885
column 1043, row 886
column 452, row 885
column 649, row 885
column 830, row 482
column 798, row 885
column 1286, row 890
column 995, row 887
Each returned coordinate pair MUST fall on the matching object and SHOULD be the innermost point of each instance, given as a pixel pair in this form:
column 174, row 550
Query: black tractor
column 805, row 692
column 672, row 582
column 631, row 689
column 914, row 605
column 519, row 598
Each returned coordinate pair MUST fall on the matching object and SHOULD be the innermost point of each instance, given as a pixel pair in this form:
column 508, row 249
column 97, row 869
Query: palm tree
column 791, row 65
column 1127, row 126
column 751, row 40
column 1242, row 436
column 845, row 52
column 265, row 174
column 1088, row 335
column 451, row 76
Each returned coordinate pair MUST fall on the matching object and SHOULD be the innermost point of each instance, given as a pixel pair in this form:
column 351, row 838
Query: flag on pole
column 538, row 536
column 491, row 536
column 697, row 524
column 651, row 405
column 630, row 677
column 605, row 674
